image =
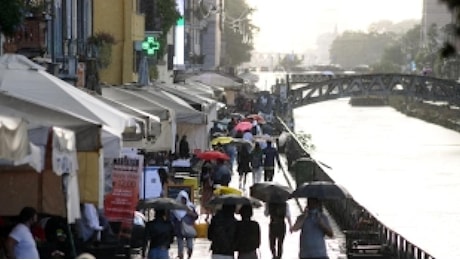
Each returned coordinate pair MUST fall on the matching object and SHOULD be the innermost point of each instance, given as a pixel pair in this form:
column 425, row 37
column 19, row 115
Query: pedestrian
column 215, row 131
column 165, row 181
column 20, row 242
column 221, row 233
column 159, row 235
column 270, row 155
column 247, row 234
column 257, row 163
column 244, row 160
column 278, row 212
column 206, row 187
column 188, row 216
column 314, row 225
column 184, row 150
column 222, row 174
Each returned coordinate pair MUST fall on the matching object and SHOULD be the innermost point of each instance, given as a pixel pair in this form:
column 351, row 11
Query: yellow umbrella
column 224, row 190
column 221, row 140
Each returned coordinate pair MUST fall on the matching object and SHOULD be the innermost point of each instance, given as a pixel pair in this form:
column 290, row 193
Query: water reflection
column 402, row 169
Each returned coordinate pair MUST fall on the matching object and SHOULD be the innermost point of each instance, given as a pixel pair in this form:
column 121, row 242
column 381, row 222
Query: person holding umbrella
column 221, row 232
column 278, row 211
column 159, row 235
column 247, row 237
column 188, row 216
column 222, row 174
column 314, row 226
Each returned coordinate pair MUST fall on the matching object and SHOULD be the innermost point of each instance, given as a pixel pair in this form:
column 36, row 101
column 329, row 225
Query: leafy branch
column 169, row 15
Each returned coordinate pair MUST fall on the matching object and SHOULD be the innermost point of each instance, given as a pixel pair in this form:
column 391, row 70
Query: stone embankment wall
column 443, row 115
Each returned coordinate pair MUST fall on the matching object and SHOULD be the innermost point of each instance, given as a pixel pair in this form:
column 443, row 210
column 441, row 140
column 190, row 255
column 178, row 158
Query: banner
column 120, row 204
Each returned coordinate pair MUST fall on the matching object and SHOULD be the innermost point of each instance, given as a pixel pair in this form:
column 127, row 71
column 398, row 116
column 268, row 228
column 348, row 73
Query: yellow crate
column 191, row 181
column 201, row 230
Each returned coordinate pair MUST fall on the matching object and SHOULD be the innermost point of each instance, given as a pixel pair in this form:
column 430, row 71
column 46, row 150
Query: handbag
column 188, row 230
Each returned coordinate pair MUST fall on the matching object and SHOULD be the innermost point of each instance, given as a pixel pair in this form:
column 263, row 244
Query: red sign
column 121, row 203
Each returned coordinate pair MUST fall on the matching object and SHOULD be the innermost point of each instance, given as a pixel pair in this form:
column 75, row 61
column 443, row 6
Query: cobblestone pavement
column 335, row 245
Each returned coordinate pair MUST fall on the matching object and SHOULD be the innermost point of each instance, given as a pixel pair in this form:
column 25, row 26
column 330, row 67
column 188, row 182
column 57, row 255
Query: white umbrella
column 22, row 78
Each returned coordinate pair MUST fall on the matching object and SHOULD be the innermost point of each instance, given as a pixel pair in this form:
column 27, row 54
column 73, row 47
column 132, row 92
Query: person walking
column 20, row 242
column 244, row 160
column 278, row 212
column 314, row 226
column 206, row 188
column 247, row 234
column 184, row 150
column 270, row 155
column 222, row 174
column 159, row 235
column 188, row 216
column 257, row 163
column 221, row 233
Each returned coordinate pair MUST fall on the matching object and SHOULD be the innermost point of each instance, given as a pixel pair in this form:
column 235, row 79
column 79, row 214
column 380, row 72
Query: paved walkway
column 335, row 245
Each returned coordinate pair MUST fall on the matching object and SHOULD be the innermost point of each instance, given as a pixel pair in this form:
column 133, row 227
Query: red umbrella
column 243, row 126
column 212, row 155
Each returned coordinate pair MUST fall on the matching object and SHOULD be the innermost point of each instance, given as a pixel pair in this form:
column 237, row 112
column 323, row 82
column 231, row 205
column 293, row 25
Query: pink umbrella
column 243, row 126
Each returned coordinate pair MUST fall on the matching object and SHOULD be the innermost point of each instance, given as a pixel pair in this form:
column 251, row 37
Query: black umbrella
column 270, row 192
column 161, row 203
column 233, row 199
column 321, row 190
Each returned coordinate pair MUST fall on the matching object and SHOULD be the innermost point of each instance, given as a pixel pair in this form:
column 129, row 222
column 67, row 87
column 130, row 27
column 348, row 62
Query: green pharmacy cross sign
column 151, row 45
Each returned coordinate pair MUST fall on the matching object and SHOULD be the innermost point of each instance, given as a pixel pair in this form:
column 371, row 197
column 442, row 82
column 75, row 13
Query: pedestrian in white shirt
column 21, row 243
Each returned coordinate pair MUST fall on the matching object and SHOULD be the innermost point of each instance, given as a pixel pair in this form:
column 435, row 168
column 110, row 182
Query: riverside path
column 335, row 245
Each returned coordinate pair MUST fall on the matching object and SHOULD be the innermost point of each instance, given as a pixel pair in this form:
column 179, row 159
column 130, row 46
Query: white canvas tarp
column 14, row 142
column 23, row 79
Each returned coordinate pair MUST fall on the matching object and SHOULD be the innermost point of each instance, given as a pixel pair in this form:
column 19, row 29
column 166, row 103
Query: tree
column 449, row 49
column 238, row 32
column 11, row 16
column 290, row 62
column 355, row 48
column 168, row 16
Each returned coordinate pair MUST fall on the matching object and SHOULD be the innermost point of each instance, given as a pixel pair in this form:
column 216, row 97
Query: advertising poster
column 150, row 184
column 120, row 204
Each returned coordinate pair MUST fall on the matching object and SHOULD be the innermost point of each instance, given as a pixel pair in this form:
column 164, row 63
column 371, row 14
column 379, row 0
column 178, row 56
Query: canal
column 403, row 170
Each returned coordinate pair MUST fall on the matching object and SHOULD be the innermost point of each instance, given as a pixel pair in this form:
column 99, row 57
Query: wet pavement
column 335, row 245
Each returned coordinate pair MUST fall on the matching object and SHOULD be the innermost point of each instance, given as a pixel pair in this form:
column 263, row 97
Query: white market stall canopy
column 216, row 79
column 23, row 79
column 87, row 132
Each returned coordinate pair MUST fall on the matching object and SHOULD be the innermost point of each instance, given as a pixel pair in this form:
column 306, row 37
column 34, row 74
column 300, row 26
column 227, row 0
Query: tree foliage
column 238, row 40
column 449, row 50
column 354, row 48
column 290, row 62
column 11, row 16
column 168, row 15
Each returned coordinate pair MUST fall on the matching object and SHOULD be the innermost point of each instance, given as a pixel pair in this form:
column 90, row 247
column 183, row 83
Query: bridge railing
column 345, row 213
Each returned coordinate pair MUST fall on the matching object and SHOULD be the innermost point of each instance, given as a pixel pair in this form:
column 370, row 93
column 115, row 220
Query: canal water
column 403, row 170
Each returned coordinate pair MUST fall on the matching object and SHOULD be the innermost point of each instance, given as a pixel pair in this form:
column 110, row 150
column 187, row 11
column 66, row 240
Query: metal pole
column 65, row 184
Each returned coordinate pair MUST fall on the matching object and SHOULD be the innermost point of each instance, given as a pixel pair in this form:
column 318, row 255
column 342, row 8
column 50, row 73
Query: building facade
column 123, row 20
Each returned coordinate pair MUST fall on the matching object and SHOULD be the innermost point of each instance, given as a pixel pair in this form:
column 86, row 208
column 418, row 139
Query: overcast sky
column 293, row 25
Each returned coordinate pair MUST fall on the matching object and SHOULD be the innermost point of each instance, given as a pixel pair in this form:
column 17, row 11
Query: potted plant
column 100, row 45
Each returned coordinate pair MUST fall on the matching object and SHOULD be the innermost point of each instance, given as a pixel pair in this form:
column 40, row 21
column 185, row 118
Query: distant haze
column 294, row 25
